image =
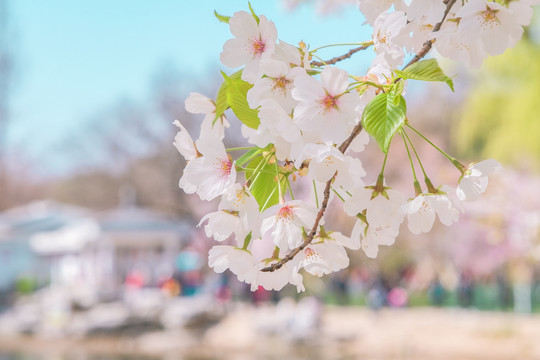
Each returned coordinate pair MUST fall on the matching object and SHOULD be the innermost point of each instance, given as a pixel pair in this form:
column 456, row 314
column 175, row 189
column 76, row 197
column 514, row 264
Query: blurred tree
column 500, row 116
column 6, row 75
column 129, row 145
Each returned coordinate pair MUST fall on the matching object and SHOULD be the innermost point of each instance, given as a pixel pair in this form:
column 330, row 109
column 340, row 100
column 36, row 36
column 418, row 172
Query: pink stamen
column 257, row 47
column 286, row 213
column 280, row 84
column 225, row 166
column 329, row 102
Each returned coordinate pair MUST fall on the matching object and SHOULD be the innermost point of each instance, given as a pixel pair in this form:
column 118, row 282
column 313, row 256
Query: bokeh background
column 100, row 257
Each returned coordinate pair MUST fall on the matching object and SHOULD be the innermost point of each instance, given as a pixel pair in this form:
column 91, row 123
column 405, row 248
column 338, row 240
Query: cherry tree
column 306, row 122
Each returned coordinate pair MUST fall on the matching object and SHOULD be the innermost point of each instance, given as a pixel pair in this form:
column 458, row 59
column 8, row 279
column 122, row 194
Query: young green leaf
column 233, row 94
column 247, row 156
column 425, row 70
column 222, row 103
column 398, row 89
column 253, row 13
column 222, row 18
column 383, row 116
column 237, row 100
column 264, row 186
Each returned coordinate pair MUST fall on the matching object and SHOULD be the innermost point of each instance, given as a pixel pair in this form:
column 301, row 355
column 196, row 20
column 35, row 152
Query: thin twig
column 336, row 59
column 428, row 44
column 343, row 147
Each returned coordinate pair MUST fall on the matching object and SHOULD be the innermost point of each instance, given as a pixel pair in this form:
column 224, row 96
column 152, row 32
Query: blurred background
column 100, row 257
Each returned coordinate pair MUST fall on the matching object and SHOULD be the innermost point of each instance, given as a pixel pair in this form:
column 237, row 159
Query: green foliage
column 222, row 18
column 232, row 94
column 500, row 117
column 425, row 70
column 253, row 13
column 263, row 182
column 247, row 156
column 383, row 116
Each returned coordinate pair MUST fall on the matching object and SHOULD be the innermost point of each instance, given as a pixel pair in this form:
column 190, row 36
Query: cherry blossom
column 373, row 8
column 387, row 27
column 277, row 84
column 252, row 42
column 475, row 179
column 184, row 143
column 325, row 161
column 199, row 104
column 286, row 222
column 326, row 106
column 324, row 258
column 239, row 261
column 305, row 124
column 422, row 209
column 211, row 174
column 454, row 45
column 495, row 26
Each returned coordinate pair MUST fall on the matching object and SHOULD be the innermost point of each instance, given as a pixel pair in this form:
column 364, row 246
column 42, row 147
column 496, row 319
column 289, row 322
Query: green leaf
column 264, row 187
column 221, row 100
column 236, row 90
column 253, row 13
column 247, row 156
column 233, row 94
column 398, row 89
column 426, row 70
column 383, row 116
column 222, row 18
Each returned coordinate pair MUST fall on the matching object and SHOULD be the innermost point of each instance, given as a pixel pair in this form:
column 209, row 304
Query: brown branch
column 336, row 59
column 428, row 44
column 343, row 147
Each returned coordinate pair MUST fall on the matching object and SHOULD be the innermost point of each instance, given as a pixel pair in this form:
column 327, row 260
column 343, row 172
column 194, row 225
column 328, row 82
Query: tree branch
column 336, row 59
column 343, row 147
column 428, row 44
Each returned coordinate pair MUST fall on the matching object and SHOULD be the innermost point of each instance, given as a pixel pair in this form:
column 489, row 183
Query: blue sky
column 75, row 58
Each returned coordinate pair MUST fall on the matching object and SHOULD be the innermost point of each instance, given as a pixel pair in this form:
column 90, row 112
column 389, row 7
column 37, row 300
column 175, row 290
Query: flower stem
column 289, row 187
column 239, row 148
column 247, row 240
column 280, row 192
column 337, row 194
column 429, row 184
column 316, row 196
column 408, row 154
column 416, row 184
column 462, row 168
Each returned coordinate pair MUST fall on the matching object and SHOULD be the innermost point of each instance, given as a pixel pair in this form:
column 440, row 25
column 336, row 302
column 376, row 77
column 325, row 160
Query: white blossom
column 325, row 106
column 386, row 29
column 184, row 143
column 199, row 104
column 373, row 8
column 475, row 179
column 240, row 262
column 211, row 174
column 422, row 209
column 286, row 222
column 252, row 42
column 493, row 24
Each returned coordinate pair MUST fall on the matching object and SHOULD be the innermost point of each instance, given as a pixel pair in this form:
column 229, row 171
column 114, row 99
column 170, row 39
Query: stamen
column 286, row 213
column 281, row 84
column 328, row 102
column 224, row 166
column 257, row 47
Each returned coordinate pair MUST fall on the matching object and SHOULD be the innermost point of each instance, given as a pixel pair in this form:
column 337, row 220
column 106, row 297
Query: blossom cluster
column 309, row 121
